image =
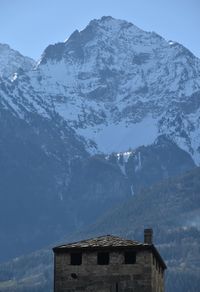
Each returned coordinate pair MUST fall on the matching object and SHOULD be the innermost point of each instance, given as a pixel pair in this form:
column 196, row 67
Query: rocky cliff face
column 121, row 86
column 118, row 87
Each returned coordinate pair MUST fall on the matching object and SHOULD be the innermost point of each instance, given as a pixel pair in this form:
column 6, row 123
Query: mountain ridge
column 11, row 61
column 114, row 78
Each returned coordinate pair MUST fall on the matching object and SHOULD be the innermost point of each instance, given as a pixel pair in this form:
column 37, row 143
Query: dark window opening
column 129, row 257
column 76, row 258
column 117, row 288
column 103, row 258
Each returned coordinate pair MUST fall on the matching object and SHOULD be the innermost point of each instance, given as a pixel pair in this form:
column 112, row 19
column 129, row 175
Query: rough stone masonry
column 109, row 264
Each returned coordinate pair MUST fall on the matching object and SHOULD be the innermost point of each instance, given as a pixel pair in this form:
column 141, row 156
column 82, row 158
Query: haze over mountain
column 109, row 88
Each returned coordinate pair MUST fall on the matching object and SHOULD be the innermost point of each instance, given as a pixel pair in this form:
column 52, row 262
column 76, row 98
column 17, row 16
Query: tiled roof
column 102, row 241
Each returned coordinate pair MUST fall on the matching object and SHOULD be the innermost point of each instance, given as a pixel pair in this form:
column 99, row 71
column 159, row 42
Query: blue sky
column 30, row 25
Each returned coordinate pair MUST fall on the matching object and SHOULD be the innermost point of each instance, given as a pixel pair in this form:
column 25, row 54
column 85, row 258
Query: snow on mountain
column 120, row 136
column 119, row 87
column 11, row 61
column 111, row 87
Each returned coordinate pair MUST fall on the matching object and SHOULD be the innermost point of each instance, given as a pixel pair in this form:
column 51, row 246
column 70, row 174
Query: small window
column 103, row 258
column 117, row 287
column 76, row 258
column 129, row 257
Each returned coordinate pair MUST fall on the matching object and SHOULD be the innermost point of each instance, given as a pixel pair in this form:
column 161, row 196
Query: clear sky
column 30, row 25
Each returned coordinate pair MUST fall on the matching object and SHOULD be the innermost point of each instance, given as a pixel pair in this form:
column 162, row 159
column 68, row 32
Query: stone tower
column 109, row 264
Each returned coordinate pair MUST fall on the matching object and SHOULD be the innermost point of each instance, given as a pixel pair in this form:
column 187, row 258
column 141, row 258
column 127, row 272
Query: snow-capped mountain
column 108, row 88
column 11, row 61
column 111, row 87
column 120, row 87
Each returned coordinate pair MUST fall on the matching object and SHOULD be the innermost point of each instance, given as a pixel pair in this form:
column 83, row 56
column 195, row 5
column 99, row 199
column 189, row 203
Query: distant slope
column 147, row 165
column 34, row 162
column 173, row 201
column 171, row 208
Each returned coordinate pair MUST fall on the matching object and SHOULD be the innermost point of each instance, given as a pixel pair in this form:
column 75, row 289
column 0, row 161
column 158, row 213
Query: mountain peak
column 107, row 18
column 11, row 60
column 4, row 47
column 112, row 74
column 97, row 31
column 113, row 24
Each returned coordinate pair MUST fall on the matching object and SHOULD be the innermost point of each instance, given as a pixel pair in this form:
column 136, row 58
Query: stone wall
column 115, row 277
column 157, row 276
